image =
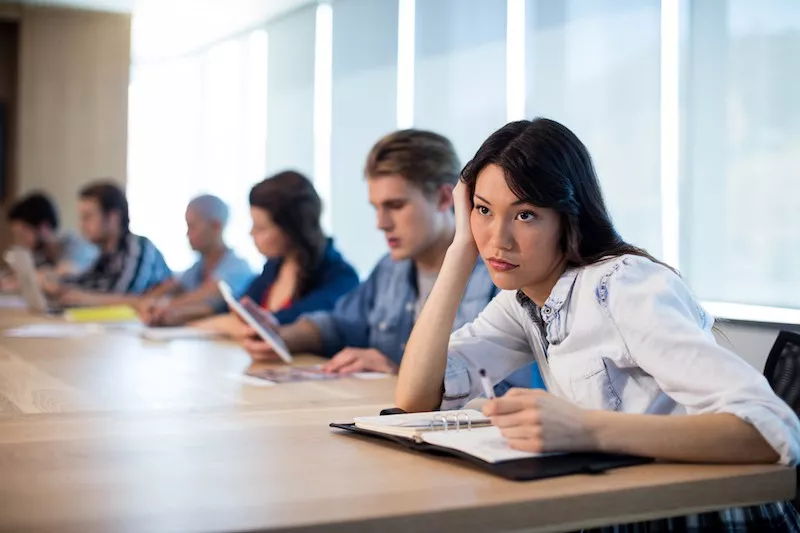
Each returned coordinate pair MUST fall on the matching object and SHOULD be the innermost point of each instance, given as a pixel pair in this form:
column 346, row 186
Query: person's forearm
column 66, row 268
column 420, row 381
column 46, row 273
column 707, row 438
column 222, row 324
column 202, row 294
column 182, row 314
column 8, row 283
column 302, row 337
column 164, row 289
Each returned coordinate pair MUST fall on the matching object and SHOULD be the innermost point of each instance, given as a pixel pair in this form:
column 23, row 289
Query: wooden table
column 112, row 433
column 118, row 371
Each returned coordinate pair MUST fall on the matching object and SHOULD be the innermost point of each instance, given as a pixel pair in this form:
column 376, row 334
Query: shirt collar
column 558, row 296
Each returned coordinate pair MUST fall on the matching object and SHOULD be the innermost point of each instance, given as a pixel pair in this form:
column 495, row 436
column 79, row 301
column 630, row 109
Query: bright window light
column 405, row 64
column 323, row 90
column 515, row 60
column 670, row 108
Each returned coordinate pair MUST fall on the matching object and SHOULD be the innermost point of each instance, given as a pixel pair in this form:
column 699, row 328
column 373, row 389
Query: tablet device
column 258, row 321
column 21, row 262
column 266, row 318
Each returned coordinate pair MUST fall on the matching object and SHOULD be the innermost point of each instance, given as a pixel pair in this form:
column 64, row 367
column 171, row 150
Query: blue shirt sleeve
column 159, row 272
column 190, row 279
column 234, row 271
column 82, row 254
column 147, row 266
column 347, row 325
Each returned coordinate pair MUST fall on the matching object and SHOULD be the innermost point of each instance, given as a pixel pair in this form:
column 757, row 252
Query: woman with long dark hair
column 620, row 339
column 304, row 272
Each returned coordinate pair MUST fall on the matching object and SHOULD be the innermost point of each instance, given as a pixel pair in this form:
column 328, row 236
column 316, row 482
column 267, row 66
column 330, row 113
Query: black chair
column 783, row 374
column 783, row 368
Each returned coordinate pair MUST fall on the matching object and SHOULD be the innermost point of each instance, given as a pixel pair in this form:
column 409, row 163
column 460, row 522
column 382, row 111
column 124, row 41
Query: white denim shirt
column 627, row 335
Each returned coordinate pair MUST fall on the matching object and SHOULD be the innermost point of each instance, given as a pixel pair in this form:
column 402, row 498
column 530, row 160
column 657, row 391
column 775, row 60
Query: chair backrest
column 783, row 368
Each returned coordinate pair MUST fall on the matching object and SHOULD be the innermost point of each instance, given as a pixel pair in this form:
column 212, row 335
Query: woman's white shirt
column 625, row 334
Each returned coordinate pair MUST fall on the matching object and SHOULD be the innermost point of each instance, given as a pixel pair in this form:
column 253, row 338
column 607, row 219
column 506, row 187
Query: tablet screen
column 259, row 321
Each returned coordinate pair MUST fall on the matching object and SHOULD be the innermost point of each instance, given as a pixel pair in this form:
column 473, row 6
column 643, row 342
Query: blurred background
column 689, row 107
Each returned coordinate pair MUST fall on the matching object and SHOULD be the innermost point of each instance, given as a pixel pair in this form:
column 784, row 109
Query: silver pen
column 488, row 390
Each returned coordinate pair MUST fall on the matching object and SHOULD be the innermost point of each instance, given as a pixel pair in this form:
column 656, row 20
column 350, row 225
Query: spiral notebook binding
column 453, row 418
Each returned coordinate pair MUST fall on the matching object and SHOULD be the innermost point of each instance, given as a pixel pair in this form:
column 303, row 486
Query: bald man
column 194, row 294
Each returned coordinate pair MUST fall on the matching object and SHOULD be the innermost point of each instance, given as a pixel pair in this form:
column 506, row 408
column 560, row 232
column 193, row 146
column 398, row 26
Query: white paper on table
column 168, row 334
column 53, row 331
column 370, row 375
column 12, row 301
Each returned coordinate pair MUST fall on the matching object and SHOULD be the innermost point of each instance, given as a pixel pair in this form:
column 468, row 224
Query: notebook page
column 485, row 443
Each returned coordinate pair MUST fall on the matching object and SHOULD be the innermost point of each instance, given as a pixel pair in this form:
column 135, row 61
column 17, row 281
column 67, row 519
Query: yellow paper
column 108, row 313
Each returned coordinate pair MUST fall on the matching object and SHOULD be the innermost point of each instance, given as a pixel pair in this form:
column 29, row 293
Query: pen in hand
column 488, row 390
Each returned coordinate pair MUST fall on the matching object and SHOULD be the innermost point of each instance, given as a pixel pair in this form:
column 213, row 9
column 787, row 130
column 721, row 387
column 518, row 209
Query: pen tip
column 482, row 372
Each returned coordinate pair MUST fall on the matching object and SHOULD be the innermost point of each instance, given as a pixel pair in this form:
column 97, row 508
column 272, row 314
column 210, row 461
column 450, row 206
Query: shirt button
column 409, row 307
column 382, row 326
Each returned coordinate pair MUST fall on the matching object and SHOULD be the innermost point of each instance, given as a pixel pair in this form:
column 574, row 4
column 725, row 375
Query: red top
column 265, row 302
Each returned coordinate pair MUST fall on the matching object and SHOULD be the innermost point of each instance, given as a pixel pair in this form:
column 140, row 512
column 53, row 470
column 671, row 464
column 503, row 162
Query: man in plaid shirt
column 129, row 265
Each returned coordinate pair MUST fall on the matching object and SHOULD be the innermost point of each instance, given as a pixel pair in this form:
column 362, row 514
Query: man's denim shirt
column 380, row 314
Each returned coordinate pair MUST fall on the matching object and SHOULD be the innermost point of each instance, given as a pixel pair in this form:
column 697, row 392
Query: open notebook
column 469, row 435
column 467, row 431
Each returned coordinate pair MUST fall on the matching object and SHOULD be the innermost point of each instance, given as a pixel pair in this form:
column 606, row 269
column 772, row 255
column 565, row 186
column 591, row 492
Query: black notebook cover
column 517, row 469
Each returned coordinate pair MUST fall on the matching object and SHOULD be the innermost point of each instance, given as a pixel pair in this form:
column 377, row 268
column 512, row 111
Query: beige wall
column 74, row 70
column 751, row 341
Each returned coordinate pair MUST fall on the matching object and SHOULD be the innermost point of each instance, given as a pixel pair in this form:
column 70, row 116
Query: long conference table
column 111, row 432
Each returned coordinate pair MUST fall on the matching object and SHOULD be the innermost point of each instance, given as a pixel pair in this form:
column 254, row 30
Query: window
column 594, row 65
column 197, row 126
column 290, row 93
column 460, row 75
column 689, row 109
column 364, row 109
column 741, row 194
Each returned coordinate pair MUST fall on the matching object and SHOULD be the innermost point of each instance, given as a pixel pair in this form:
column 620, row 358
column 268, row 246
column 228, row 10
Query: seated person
column 304, row 272
column 34, row 225
column 410, row 175
column 195, row 294
column 129, row 265
column 623, row 345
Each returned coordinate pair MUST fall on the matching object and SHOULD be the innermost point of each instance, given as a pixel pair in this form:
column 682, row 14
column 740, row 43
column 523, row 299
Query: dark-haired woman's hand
column 462, row 203
column 536, row 421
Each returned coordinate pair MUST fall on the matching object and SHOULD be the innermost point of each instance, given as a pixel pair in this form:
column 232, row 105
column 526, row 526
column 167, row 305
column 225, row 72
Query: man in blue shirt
column 34, row 225
column 194, row 294
column 411, row 175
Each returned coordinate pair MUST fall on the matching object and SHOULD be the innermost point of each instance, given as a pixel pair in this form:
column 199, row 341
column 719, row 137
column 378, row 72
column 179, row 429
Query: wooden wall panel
column 74, row 69
column 9, row 11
